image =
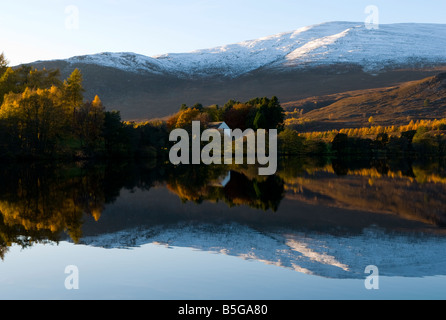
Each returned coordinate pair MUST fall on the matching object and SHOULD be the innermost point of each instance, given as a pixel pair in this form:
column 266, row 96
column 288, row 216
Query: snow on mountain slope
column 327, row 43
column 398, row 44
column 125, row 61
column 316, row 254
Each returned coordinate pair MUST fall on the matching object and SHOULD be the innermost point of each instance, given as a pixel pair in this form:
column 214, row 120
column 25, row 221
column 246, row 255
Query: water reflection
column 316, row 216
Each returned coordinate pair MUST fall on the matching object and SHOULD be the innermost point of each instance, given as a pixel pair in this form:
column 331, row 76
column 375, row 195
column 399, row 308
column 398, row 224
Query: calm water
column 147, row 231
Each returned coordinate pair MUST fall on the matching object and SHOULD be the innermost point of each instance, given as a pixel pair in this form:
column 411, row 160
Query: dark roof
column 214, row 125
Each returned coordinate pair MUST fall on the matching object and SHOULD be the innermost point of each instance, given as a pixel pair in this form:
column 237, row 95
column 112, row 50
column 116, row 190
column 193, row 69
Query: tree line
column 42, row 116
column 257, row 113
column 419, row 142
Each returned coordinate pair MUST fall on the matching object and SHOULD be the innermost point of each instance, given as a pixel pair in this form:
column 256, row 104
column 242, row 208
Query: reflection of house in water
column 222, row 181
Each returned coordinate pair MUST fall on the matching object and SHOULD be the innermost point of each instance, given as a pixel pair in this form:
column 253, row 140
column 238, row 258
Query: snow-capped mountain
column 317, row 60
column 328, row 43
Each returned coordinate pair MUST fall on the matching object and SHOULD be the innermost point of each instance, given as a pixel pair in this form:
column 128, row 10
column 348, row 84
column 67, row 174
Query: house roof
column 217, row 125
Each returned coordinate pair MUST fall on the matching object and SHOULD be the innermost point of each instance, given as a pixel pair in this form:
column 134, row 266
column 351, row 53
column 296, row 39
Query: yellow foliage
column 373, row 131
column 186, row 117
column 97, row 102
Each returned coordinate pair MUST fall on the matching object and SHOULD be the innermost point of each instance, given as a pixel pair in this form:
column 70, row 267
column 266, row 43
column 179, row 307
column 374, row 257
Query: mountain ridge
column 307, row 46
column 321, row 59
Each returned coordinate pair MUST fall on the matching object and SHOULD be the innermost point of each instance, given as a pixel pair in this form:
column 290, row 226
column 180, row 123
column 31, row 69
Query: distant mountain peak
column 327, row 43
column 317, row 60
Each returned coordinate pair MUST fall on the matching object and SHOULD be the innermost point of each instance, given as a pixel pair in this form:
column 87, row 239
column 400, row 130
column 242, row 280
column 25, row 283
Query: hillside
column 316, row 60
column 396, row 105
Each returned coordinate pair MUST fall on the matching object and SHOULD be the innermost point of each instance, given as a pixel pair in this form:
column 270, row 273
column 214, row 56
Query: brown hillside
column 143, row 96
column 396, row 105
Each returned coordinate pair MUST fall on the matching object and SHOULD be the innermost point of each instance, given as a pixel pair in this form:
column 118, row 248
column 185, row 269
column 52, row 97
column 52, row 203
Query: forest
column 44, row 117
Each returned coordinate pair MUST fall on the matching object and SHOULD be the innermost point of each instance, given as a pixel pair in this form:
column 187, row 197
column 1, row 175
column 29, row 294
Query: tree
column 34, row 118
column 275, row 114
column 74, row 90
column 97, row 103
column 116, row 139
column 18, row 79
column 340, row 143
column 198, row 106
column 260, row 121
column 237, row 116
column 88, row 124
column 215, row 113
column 228, row 105
column 290, row 143
column 3, row 64
column 39, row 79
column 272, row 115
column 381, row 140
column 7, row 83
column 171, row 122
column 186, row 117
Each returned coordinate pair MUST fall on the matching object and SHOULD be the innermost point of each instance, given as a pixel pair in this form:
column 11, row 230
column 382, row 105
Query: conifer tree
column 3, row 64
column 74, row 90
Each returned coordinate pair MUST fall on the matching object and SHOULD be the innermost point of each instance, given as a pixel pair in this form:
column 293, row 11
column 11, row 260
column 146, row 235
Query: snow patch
column 324, row 44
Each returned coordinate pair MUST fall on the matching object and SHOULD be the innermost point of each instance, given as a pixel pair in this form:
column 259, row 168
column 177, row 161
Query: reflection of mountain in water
column 310, row 217
column 311, row 253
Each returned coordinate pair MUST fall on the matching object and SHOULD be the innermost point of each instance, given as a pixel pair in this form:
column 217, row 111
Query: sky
column 33, row 30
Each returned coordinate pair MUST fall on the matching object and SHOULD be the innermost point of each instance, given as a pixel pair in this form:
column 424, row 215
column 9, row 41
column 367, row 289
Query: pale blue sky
column 42, row 29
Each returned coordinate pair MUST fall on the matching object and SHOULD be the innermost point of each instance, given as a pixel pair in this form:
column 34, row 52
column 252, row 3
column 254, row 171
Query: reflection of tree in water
column 43, row 203
column 203, row 183
column 411, row 189
column 191, row 183
column 40, row 203
column 265, row 194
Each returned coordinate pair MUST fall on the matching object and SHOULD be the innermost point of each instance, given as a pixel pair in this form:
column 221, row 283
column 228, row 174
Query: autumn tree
column 73, row 90
column 186, row 117
column 7, row 83
column 18, row 79
column 237, row 116
column 3, row 64
column 88, row 124
column 38, row 79
column 35, row 118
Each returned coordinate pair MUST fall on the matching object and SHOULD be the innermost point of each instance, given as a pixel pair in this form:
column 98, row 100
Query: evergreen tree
column 260, row 121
